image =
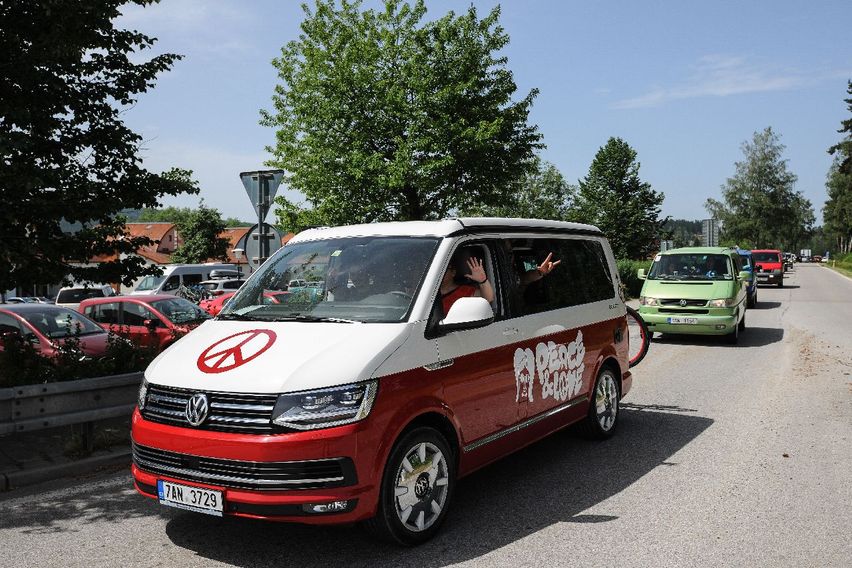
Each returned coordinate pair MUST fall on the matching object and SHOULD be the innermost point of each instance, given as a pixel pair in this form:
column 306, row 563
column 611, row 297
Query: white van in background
column 177, row 275
column 71, row 296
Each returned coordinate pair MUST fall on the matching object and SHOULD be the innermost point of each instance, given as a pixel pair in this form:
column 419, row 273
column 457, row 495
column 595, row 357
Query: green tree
column 759, row 206
column 684, row 233
column 169, row 214
column 542, row 193
column 837, row 212
column 67, row 157
column 296, row 217
column 380, row 115
column 200, row 240
column 613, row 198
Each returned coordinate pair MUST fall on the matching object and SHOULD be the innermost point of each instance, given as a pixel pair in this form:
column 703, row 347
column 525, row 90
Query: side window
column 8, row 323
column 485, row 252
column 232, row 285
column 103, row 313
column 173, row 283
column 135, row 314
column 192, row 279
column 738, row 264
column 582, row 275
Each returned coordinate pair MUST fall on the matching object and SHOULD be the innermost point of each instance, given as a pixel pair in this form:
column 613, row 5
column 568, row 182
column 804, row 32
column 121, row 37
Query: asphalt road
column 726, row 456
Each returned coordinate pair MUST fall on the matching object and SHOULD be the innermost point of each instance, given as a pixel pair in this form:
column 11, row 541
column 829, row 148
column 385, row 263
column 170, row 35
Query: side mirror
column 641, row 274
column 745, row 275
column 467, row 313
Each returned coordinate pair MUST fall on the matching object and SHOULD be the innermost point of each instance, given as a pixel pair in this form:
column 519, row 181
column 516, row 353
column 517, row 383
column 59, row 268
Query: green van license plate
column 687, row 321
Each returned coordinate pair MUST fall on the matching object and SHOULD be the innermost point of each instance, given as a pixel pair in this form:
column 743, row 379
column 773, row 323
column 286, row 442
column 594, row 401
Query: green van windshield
column 691, row 267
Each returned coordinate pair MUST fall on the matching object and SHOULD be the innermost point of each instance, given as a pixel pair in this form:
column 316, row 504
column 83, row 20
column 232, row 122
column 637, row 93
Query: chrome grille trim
column 307, row 474
column 229, row 412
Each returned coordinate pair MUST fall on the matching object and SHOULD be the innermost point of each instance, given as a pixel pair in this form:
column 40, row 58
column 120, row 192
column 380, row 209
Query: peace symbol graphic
column 235, row 350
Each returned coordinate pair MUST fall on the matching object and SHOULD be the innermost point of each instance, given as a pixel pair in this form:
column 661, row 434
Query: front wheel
column 602, row 418
column 417, row 487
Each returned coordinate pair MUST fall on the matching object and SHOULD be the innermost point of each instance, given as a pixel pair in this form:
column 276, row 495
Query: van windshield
column 149, row 283
column 691, row 267
column 766, row 257
column 356, row 279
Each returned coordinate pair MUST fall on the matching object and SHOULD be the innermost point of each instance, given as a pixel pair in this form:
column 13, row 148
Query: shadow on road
column 550, row 482
column 751, row 337
column 763, row 305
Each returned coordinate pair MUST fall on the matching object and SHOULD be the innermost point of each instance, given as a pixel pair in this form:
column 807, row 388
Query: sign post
column 261, row 187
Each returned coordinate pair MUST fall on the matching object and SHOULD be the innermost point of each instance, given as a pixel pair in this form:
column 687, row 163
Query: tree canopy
column 199, row 232
column 760, row 207
column 613, row 198
column 542, row 193
column 380, row 115
column 67, row 157
column 837, row 212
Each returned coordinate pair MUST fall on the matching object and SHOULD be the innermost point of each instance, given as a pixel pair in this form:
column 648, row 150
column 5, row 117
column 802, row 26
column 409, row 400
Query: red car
column 149, row 321
column 47, row 327
column 214, row 305
column 769, row 266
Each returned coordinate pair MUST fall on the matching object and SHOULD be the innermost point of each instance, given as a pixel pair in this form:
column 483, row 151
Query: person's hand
column 477, row 272
column 545, row 267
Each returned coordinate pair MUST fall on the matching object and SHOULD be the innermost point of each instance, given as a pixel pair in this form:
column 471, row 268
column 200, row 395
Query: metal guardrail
column 84, row 401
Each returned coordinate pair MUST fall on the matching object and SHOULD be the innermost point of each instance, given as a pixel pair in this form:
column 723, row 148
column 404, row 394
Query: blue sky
column 684, row 83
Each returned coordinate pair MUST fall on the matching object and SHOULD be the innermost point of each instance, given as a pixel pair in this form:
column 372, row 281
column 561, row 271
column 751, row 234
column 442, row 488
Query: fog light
column 333, row 507
column 720, row 326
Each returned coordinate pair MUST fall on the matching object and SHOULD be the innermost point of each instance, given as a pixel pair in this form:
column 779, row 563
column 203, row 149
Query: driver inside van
column 465, row 277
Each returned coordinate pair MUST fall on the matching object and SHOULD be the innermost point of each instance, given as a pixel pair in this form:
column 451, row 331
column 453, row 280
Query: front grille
column 682, row 311
column 676, row 302
column 313, row 474
column 229, row 412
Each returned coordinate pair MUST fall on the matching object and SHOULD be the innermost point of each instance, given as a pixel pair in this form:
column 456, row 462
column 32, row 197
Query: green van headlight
column 648, row 301
column 721, row 303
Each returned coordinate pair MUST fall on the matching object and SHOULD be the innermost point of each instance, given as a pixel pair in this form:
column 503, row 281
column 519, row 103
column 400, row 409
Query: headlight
column 143, row 394
column 721, row 303
column 323, row 408
column 648, row 301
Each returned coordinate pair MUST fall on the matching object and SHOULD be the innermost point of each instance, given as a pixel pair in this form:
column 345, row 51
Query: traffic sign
column 261, row 187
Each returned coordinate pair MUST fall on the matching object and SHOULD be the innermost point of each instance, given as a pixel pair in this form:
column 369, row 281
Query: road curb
column 14, row 479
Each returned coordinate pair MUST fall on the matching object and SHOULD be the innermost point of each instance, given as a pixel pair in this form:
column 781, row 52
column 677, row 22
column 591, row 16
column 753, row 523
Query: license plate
column 190, row 498
column 691, row 321
column 762, row 277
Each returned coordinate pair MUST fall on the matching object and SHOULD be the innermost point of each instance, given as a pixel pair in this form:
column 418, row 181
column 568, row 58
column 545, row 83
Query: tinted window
column 135, row 314
column 232, row 285
column 171, row 284
column 104, row 313
column 191, row 279
column 582, row 275
column 77, row 295
column 8, row 323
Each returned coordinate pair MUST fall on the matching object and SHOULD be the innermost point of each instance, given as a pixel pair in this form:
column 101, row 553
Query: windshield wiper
column 234, row 316
column 310, row 318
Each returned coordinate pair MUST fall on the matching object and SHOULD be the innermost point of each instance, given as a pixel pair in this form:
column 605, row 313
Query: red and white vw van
column 366, row 402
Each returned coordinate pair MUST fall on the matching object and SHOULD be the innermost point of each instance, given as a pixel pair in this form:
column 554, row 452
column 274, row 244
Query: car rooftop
column 443, row 228
column 700, row 250
column 145, row 298
column 32, row 307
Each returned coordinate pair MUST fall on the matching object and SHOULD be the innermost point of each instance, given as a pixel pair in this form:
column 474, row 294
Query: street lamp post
column 238, row 254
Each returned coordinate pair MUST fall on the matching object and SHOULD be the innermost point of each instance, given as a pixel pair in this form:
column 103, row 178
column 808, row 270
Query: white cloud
column 720, row 76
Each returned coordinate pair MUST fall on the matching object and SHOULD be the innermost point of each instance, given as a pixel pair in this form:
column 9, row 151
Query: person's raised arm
column 478, row 276
column 541, row 271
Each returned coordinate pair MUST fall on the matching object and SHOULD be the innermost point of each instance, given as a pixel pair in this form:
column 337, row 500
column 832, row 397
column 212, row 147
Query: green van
column 700, row 290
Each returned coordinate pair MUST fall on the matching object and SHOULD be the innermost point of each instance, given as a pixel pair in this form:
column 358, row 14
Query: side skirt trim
column 525, row 424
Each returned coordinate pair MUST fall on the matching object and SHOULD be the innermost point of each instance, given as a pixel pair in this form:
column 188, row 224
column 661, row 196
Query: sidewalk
column 33, row 457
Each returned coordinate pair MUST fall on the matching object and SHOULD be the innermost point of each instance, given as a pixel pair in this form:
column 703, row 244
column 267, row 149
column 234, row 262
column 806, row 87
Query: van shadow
column 552, row 481
column 764, row 305
column 751, row 337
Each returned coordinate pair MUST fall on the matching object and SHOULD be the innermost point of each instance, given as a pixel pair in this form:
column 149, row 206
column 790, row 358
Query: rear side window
column 104, row 313
column 232, row 285
column 581, row 277
column 77, row 295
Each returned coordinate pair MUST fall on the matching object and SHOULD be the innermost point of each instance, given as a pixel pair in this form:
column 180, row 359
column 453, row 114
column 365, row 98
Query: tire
column 752, row 300
column 602, row 418
column 422, row 464
column 637, row 329
column 781, row 283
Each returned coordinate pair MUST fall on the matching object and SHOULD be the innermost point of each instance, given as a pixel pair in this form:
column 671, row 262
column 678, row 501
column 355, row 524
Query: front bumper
column 359, row 486
column 720, row 321
column 769, row 277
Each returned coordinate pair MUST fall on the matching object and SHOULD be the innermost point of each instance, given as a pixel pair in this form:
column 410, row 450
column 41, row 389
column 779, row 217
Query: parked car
column 816, row 258
column 747, row 264
column 177, row 275
column 221, row 286
column 214, row 305
column 47, row 327
column 369, row 406
column 20, row 300
column 71, row 296
column 695, row 290
column 149, row 321
column 769, row 266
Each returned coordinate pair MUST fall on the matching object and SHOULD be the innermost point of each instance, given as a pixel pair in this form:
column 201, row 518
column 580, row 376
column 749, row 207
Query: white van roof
column 444, row 228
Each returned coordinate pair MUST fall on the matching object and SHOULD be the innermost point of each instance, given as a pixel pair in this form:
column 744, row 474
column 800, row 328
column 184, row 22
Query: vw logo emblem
column 683, row 303
column 196, row 409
